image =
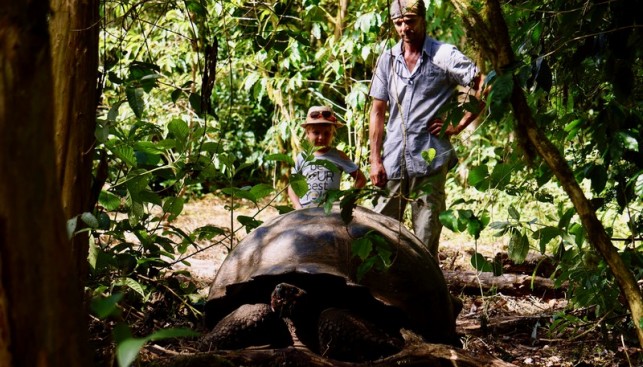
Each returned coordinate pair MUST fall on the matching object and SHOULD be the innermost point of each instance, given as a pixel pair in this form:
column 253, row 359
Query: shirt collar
column 396, row 51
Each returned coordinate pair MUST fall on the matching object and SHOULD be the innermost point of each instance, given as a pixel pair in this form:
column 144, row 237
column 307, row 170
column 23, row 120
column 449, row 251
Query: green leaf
column 449, row 220
column 109, row 201
column 127, row 351
column 89, row 219
column 174, row 206
column 480, row 263
column 126, row 154
column 249, row 222
column 279, row 157
column 478, row 177
column 545, row 235
column 104, row 307
column 298, row 183
column 260, row 191
column 518, row 247
column 428, row 155
column 628, row 141
column 72, row 224
column 513, row 213
column 133, row 285
column 500, row 176
column 362, row 247
column 135, row 100
column 179, row 129
column 173, row 333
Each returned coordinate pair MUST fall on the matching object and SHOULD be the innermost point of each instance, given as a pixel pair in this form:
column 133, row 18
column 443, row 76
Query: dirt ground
column 514, row 328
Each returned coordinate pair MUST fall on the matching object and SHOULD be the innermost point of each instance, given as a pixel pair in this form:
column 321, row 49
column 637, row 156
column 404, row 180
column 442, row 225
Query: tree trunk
column 516, row 285
column 494, row 37
column 41, row 319
column 73, row 27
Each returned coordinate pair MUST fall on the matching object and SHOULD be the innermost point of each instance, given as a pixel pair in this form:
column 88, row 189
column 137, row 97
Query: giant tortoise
column 294, row 280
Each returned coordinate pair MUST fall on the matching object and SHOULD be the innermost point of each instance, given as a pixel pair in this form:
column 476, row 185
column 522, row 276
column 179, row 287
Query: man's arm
column 376, row 138
column 435, row 126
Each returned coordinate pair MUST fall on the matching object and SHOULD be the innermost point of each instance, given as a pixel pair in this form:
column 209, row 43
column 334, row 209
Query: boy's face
column 320, row 135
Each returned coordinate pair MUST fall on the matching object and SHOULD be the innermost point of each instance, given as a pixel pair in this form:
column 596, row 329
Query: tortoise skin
column 312, row 250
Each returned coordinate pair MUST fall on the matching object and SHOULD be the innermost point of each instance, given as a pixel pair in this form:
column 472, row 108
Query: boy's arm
column 294, row 198
column 360, row 179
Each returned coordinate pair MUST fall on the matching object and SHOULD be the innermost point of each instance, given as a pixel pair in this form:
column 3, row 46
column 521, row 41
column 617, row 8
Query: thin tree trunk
column 494, row 38
column 40, row 307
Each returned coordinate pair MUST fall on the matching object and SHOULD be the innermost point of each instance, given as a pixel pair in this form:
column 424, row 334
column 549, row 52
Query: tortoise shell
column 312, row 248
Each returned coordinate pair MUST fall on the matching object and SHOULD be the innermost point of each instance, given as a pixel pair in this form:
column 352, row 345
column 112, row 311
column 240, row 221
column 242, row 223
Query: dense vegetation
column 206, row 96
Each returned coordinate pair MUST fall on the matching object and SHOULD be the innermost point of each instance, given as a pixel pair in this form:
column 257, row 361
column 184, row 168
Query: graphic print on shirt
column 320, row 179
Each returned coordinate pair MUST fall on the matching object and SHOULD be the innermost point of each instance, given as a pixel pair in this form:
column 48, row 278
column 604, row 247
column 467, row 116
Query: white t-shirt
column 320, row 179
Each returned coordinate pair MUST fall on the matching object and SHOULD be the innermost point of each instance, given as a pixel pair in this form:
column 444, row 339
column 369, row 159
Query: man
column 413, row 80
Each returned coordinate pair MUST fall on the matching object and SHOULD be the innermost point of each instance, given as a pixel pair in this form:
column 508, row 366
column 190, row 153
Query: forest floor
column 512, row 326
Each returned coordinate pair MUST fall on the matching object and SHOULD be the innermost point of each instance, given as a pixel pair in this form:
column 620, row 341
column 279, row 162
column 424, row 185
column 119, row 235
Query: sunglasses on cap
column 325, row 114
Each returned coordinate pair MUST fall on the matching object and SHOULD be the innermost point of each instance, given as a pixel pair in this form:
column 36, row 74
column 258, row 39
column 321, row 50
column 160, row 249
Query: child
column 320, row 128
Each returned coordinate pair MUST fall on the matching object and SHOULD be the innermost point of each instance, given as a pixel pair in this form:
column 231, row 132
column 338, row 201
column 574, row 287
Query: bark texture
column 40, row 314
column 74, row 27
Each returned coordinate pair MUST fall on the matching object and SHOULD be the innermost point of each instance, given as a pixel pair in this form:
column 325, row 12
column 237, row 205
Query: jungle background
column 116, row 116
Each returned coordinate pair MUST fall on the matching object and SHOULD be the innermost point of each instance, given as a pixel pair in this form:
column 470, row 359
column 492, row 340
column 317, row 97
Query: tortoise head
column 285, row 297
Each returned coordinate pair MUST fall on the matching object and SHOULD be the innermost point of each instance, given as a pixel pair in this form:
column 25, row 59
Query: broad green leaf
column 179, row 129
column 298, row 183
column 280, row 157
column 135, row 100
column 518, row 247
column 362, row 247
column 127, row 351
column 133, row 285
column 89, row 219
column 109, row 201
column 125, row 153
column 174, row 206
column 480, row 263
column 260, row 191
column 628, row 141
column 500, row 176
column 479, row 177
column 545, row 235
column 449, row 220
column 249, row 222
column 103, row 307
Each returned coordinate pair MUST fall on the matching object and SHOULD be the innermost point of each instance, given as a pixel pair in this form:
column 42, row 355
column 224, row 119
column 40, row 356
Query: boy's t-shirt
column 320, row 179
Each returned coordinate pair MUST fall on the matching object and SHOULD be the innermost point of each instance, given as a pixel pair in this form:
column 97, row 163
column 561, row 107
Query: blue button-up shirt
column 414, row 99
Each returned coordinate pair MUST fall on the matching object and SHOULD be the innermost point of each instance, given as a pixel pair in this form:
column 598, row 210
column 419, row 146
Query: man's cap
column 321, row 115
column 400, row 8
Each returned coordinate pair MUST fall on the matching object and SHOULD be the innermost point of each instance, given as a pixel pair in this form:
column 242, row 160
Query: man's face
column 410, row 28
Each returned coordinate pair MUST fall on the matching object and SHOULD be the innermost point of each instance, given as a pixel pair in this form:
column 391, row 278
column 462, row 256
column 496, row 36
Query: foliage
column 207, row 96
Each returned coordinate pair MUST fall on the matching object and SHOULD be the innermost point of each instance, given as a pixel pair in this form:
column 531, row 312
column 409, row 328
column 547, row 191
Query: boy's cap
column 400, row 8
column 321, row 115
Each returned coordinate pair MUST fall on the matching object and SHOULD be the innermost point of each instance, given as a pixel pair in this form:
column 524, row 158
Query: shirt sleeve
column 379, row 82
column 461, row 68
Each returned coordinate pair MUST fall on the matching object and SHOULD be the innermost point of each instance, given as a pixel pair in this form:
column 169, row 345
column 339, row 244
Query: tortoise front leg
column 248, row 325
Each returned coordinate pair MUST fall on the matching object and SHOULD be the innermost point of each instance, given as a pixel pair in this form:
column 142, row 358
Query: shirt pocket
column 434, row 80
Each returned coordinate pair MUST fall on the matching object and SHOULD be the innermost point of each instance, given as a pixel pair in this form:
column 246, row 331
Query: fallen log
column 420, row 355
column 472, row 283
